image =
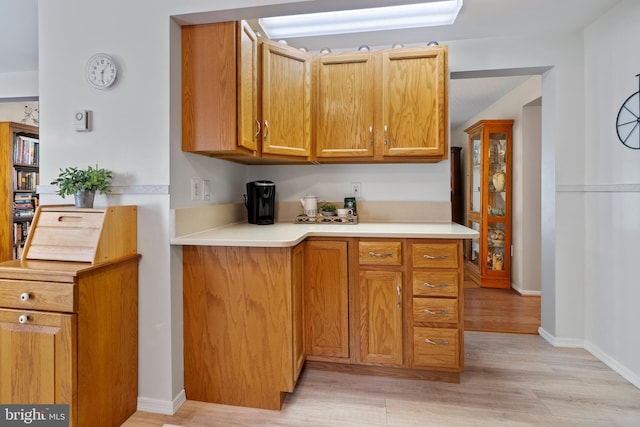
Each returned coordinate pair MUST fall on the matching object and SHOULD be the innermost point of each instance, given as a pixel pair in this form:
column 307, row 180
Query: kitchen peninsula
column 373, row 298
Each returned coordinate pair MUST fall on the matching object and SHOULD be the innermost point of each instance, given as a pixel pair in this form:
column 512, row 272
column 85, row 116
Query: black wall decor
column 628, row 121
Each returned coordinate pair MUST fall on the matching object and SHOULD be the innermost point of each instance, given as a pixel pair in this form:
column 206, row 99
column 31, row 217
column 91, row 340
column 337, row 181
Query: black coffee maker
column 260, row 201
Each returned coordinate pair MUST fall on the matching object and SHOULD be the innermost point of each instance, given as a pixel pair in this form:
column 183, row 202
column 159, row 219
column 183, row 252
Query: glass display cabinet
column 488, row 259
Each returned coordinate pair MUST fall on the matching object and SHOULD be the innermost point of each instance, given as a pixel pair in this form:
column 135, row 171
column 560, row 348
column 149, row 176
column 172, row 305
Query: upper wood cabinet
column 219, row 89
column 248, row 118
column 256, row 101
column 286, row 100
column 389, row 105
column 414, row 102
column 344, row 105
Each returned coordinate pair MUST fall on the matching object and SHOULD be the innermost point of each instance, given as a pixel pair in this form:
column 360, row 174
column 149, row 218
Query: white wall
column 20, row 112
column 136, row 134
column 23, row 84
column 511, row 107
column 612, row 192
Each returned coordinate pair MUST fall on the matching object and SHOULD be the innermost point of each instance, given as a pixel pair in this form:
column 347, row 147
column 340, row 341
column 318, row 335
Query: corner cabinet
column 243, row 330
column 237, row 105
column 219, row 114
column 19, row 176
column 387, row 106
column 488, row 259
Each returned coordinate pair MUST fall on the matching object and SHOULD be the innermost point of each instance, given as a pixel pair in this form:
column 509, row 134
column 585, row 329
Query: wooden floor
column 500, row 310
column 509, row 380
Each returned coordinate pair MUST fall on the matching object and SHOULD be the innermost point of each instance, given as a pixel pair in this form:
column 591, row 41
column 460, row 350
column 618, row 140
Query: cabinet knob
column 23, row 319
column 24, row 296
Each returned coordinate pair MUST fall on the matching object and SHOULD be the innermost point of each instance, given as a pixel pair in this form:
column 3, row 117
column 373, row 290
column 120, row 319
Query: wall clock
column 628, row 121
column 101, row 71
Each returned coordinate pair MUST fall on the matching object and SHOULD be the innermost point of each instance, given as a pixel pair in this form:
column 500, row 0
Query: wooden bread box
column 96, row 235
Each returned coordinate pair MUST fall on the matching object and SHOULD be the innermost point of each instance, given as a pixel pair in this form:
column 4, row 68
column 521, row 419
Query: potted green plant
column 328, row 209
column 83, row 184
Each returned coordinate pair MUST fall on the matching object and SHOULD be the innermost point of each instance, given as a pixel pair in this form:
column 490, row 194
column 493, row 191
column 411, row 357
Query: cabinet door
column 37, row 358
column 297, row 298
column 209, row 88
column 344, row 115
column 381, row 317
column 248, row 123
column 414, row 102
column 286, row 100
column 326, row 299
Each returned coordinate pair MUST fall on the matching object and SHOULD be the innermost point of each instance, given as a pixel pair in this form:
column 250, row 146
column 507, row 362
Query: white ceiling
column 478, row 19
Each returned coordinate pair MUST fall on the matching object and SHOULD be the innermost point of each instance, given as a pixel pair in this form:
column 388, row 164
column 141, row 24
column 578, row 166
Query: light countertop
column 285, row 234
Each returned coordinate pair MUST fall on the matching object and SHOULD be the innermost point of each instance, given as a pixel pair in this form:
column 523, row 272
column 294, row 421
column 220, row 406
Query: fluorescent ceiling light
column 360, row 20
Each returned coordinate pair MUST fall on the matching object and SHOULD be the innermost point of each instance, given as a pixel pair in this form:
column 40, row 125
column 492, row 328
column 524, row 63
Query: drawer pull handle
column 428, row 341
column 258, row 128
column 23, row 319
column 24, row 296
column 387, row 255
column 441, row 285
column 436, row 257
column 427, row 311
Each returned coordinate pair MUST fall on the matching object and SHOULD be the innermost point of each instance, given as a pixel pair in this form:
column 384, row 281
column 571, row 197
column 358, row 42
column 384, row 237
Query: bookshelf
column 19, row 177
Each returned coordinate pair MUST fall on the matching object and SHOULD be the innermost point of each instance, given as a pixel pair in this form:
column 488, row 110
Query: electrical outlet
column 206, row 189
column 195, row 189
column 356, row 189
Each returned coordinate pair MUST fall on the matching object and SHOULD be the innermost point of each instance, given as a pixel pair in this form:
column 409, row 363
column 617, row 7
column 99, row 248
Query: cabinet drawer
column 435, row 283
column 44, row 296
column 435, row 255
column 436, row 347
column 380, row 253
column 435, row 310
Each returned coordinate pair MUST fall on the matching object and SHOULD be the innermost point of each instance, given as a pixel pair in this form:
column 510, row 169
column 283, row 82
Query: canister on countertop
column 350, row 203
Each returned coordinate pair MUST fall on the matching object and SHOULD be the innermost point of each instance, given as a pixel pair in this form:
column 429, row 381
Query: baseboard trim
column 164, row 407
column 526, row 293
column 560, row 342
column 595, row 351
column 613, row 364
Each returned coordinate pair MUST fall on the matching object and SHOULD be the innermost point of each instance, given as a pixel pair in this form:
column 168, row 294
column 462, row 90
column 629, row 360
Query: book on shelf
column 24, row 205
column 26, row 150
column 21, row 232
column 25, row 180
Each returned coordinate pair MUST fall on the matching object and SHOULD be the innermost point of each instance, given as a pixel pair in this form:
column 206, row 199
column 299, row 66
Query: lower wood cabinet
column 380, row 297
column 69, row 335
column 399, row 307
column 326, row 293
column 253, row 316
column 242, row 324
